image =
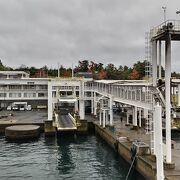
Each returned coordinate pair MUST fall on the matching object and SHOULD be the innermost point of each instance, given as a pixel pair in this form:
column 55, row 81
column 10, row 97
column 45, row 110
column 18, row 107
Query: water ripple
column 76, row 158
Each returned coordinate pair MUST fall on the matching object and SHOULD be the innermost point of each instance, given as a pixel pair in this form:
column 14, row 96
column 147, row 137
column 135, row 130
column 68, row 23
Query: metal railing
column 127, row 92
column 167, row 25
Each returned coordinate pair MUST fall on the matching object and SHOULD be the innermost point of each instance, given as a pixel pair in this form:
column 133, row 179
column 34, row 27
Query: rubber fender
column 116, row 146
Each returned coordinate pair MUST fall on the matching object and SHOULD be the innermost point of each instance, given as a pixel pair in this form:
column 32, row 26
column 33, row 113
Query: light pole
column 177, row 12
column 164, row 8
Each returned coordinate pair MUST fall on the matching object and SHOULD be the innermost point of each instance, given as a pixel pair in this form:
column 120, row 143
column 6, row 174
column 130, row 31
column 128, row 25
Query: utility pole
column 58, row 71
column 164, row 8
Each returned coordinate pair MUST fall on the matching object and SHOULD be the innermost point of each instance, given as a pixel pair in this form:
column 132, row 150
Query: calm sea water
column 76, row 158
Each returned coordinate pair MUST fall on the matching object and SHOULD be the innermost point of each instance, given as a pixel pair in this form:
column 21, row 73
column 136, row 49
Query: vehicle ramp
column 65, row 122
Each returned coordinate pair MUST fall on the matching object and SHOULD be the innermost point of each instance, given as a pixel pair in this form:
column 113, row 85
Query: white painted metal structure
column 167, row 32
column 158, row 142
column 131, row 93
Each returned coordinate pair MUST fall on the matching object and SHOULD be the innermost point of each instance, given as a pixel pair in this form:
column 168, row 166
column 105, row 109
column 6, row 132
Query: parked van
column 9, row 108
column 28, row 108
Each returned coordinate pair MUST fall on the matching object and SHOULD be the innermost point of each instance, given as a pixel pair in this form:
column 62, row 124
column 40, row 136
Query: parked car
column 9, row 108
column 28, row 108
column 15, row 108
column 22, row 108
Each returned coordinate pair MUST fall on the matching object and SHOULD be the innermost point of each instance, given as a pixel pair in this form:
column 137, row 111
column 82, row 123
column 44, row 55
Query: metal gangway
column 65, row 123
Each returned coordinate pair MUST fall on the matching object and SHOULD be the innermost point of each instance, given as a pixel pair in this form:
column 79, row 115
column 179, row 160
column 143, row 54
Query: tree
column 134, row 75
column 33, row 71
column 83, row 66
column 2, row 67
column 140, row 68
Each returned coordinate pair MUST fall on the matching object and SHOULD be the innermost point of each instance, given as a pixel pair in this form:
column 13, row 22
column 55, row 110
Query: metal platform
column 171, row 27
column 65, row 123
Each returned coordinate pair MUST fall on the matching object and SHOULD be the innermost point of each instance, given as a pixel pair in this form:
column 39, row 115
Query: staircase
column 158, row 97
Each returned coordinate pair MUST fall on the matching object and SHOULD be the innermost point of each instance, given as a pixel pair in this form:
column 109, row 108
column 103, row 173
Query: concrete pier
column 22, row 132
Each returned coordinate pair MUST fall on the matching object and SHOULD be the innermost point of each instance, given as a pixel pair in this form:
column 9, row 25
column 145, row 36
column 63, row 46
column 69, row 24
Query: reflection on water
column 68, row 157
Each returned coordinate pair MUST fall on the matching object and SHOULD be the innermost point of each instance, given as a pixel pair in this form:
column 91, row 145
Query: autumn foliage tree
column 134, row 75
column 98, row 70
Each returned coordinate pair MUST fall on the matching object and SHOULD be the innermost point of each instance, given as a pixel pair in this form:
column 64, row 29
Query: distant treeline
column 99, row 70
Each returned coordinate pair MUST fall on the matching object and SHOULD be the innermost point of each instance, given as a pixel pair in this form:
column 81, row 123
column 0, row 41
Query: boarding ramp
column 65, row 122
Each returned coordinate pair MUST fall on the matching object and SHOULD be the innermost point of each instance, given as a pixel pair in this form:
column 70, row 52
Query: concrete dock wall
column 124, row 150
column 107, row 136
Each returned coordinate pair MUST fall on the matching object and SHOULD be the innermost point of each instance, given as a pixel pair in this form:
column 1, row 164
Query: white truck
column 19, row 106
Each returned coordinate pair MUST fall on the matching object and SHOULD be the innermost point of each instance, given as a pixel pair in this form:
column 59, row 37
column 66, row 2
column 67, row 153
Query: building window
column 30, row 83
column 2, row 94
column 15, row 95
column 41, row 95
column 29, row 87
column 43, row 87
column 14, row 87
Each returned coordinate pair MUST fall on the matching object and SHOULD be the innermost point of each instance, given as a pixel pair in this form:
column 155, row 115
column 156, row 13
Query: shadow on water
column 89, row 157
column 22, row 141
column 65, row 157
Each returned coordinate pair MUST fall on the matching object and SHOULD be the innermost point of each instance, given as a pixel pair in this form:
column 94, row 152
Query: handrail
column 167, row 25
column 72, row 118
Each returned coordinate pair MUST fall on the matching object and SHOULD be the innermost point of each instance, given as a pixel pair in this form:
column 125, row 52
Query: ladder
column 148, row 93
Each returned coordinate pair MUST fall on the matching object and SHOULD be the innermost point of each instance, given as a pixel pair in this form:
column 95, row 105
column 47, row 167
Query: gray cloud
column 40, row 32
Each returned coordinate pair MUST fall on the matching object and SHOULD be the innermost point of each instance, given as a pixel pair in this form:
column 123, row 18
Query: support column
column 145, row 114
column 139, row 117
column 107, row 118
column 127, row 116
column 158, row 142
column 100, row 118
column 50, row 105
column 174, row 94
column 167, row 95
column 111, row 111
column 76, row 106
column 135, row 116
column 154, row 62
column 92, row 102
column 104, row 122
column 81, row 101
column 95, row 104
column 160, row 60
column 178, row 94
column 81, row 109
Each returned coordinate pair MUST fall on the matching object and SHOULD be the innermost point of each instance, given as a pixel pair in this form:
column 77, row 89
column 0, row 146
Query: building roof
column 118, row 82
column 13, row 72
column 106, row 81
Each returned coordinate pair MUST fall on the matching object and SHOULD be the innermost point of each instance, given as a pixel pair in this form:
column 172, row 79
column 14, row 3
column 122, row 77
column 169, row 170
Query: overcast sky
column 45, row 32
